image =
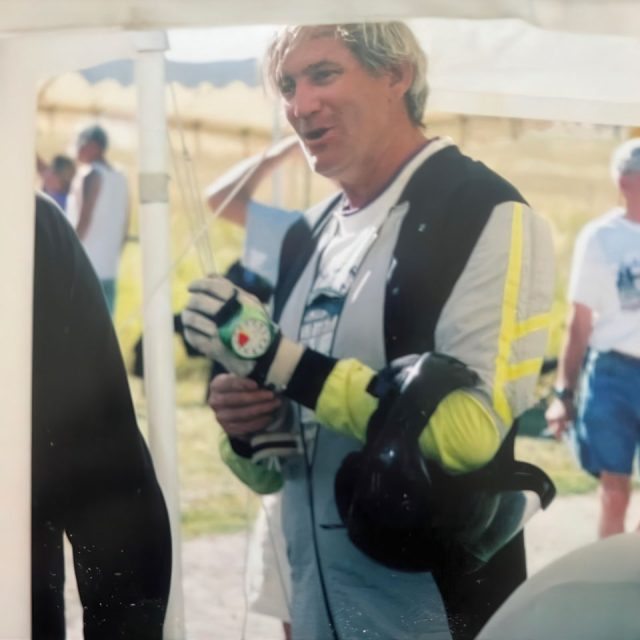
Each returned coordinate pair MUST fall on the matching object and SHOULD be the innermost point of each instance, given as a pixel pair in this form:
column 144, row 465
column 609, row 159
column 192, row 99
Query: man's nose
column 303, row 103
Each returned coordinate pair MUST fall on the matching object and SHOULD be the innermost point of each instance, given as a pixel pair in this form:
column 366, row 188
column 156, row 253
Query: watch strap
column 260, row 372
column 228, row 310
column 563, row 393
column 284, row 363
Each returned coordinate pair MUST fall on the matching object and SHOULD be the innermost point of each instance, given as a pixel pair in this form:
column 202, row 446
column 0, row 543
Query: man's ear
column 623, row 181
column 401, row 75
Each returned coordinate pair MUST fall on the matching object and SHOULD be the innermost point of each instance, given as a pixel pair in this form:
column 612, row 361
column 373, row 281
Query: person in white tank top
column 99, row 208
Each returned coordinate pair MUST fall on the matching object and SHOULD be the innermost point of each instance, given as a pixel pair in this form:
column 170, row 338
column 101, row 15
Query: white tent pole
column 17, row 168
column 157, row 314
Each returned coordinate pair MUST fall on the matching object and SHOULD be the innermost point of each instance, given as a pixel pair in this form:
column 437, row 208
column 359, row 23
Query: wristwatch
column 248, row 334
column 247, row 331
column 563, row 393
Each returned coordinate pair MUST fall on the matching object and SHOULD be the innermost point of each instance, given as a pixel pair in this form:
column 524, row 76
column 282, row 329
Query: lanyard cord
column 200, row 223
column 314, row 535
column 189, row 191
column 357, row 261
column 276, row 555
column 274, row 547
column 245, row 586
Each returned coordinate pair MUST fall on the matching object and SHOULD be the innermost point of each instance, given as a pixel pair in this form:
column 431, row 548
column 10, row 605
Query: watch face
column 251, row 338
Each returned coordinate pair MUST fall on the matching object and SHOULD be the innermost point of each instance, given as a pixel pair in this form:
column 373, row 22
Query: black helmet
column 409, row 514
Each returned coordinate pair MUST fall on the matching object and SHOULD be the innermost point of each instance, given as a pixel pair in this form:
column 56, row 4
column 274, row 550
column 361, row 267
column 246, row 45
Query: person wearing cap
column 599, row 368
column 422, row 250
column 98, row 207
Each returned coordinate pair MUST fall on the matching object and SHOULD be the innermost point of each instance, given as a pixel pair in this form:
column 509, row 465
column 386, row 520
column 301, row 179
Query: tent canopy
column 189, row 74
column 582, row 16
column 499, row 67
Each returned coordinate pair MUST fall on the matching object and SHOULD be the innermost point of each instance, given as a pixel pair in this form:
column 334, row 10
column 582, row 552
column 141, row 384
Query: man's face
column 51, row 182
column 87, row 151
column 341, row 112
column 630, row 185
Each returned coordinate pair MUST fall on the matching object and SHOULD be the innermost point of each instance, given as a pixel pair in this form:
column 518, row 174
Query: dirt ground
column 213, row 568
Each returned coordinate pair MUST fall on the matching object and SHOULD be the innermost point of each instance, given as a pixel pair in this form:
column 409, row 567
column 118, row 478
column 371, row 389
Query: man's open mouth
column 315, row 134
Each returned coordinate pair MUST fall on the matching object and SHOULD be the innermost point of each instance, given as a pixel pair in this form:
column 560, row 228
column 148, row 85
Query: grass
column 212, row 499
column 557, row 460
column 563, row 172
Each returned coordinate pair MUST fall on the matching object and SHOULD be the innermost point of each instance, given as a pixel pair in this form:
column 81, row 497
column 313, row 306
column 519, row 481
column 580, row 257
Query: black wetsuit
column 92, row 475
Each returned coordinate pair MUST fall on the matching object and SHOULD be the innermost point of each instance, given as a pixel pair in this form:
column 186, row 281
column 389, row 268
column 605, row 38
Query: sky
column 219, row 43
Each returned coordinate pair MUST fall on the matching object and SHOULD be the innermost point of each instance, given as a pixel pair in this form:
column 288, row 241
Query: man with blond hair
column 423, row 251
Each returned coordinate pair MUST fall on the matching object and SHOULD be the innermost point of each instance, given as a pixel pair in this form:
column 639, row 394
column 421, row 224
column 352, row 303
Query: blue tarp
column 188, row 74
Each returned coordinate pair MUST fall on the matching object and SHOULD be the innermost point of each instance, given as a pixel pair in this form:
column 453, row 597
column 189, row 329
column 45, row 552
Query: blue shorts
column 608, row 426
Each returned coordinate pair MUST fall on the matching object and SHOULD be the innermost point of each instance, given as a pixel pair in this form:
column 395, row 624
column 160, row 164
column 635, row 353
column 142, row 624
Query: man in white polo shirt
column 604, row 326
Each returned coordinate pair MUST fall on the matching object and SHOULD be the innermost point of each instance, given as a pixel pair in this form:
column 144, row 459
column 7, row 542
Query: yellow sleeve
column 462, row 435
column 344, row 404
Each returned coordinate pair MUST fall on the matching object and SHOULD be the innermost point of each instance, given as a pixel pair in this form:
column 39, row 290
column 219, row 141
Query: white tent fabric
column 235, row 109
column 582, row 16
column 590, row 594
column 216, row 56
column 189, row 74
column 512, row 69
column 586, row 39
column 22, row 61
column 504, row 68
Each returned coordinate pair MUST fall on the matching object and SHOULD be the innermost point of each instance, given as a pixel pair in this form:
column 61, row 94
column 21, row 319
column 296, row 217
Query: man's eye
column 323, row 75
column 287, row 86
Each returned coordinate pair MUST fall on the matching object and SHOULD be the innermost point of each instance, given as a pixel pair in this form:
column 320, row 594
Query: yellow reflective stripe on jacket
column 344, row 404
column 530, row 325
column 511, row 329
column 523, row 369
column 462, row 435
column 509, row 318
column 497, row 316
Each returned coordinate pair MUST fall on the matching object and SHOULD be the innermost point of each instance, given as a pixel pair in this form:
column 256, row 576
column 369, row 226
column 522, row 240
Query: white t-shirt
column 605, row 277
column 353, row 234
column 343, row 247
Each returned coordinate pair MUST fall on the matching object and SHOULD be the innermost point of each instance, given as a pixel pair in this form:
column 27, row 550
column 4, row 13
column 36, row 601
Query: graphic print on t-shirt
column 628, row 284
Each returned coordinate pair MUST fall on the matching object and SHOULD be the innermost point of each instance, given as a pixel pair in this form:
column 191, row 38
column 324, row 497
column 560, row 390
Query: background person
column 603, row 335
column 57, row 177
column 92, row 476
column 265, row 225
column 99, row 208
column 368, row 280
